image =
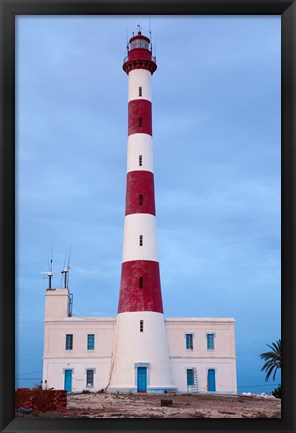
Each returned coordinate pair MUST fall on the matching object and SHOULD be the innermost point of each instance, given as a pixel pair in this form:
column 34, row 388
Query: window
column 141, row 325
column 141, row 240
column 139, row 43
column 89, row 377
column 190, row 376
column 140, row 122
column 140, row 91
column 141, row 199
column 69, row 341
column 141, row 283
column 140, row 160
column 210, row 341
column 90, row 341
column 189, row 341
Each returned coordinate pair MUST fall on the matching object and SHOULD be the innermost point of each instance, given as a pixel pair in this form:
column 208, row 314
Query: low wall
column 41, row 400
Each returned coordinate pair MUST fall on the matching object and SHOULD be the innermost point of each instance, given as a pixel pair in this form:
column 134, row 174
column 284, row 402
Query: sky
column 216, row 138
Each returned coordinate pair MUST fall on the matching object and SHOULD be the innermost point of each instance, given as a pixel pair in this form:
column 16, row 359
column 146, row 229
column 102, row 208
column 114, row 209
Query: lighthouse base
column 141, row 359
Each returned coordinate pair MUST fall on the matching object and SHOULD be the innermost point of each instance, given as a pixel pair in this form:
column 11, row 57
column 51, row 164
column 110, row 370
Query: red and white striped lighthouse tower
column 140, row 357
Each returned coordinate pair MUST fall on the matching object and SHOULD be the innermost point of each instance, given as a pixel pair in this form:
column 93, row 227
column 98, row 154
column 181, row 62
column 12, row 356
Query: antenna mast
column 49, row 273
column 66, row 270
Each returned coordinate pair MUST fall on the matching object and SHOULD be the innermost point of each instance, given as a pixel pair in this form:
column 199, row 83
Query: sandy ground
column 101, row 405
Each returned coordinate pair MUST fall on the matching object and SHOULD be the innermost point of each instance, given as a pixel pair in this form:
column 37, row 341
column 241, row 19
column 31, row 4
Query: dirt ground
column 105, row 405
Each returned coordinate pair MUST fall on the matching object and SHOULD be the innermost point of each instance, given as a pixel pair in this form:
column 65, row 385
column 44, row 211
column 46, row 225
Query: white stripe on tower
column 137, row 225
column 139, row 153
column 140, row 332
column 139, row 78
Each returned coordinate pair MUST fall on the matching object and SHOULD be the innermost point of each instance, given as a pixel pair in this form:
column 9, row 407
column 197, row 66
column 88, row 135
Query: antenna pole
column 68, row 269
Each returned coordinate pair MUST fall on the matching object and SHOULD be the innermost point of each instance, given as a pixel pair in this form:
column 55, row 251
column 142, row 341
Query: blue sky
column 216, row 137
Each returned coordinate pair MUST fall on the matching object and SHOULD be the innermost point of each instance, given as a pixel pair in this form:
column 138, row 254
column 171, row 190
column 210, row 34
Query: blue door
column 211, row 380
column 142, row 379
column 68, row 380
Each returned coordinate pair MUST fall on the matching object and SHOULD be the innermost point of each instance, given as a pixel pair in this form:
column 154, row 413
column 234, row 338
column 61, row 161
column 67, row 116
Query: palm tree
column 273, row 359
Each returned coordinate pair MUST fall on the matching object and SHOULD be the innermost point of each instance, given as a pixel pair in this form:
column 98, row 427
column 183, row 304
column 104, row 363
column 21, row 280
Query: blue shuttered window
column 210, row 341
column 189, row 341
column 69, row 341
column 90, row 341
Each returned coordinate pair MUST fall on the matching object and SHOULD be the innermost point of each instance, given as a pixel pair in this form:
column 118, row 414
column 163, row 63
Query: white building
column 139, row 350
column 78, row 352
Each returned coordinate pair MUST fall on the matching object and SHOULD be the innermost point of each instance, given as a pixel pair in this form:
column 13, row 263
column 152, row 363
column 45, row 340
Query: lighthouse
column 138, row 350
column 140, row 361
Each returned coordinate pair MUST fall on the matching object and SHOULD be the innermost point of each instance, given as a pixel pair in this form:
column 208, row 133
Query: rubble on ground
column 117, row 405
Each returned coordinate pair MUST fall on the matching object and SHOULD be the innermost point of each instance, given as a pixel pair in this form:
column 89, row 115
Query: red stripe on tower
column 139, row 117
column 140, row 193
column 140, row 287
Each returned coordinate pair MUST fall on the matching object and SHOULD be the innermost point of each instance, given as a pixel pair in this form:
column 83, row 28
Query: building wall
column 57, row 358
column 222, row 358
column 55, row 337
column 54, row 372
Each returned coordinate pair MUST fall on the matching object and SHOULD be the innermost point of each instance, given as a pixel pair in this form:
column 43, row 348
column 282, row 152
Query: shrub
column 277, row 392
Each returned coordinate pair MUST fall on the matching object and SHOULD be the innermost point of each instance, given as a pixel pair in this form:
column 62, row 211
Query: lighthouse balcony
column 140, row 59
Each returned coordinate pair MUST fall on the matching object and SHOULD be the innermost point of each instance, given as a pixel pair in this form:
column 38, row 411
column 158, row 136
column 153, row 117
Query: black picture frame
column 11, row 8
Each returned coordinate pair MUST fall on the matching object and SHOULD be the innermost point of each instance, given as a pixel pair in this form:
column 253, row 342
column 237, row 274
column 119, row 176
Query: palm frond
column 273, row 359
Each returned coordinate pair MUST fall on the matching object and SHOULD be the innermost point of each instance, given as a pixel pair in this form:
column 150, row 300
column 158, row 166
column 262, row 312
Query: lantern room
column 139, row 54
